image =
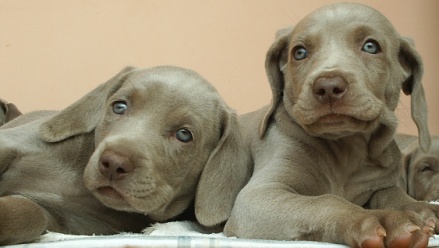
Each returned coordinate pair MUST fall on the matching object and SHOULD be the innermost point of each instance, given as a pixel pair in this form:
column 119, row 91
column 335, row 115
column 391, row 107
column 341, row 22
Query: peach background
column 52, row 52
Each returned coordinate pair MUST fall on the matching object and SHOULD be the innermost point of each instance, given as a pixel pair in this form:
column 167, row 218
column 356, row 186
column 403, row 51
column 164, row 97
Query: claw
column 428, row 230
column 381, row 231
column 431, row 223
column 414, row 237
column 413, row 228
column 376, row 242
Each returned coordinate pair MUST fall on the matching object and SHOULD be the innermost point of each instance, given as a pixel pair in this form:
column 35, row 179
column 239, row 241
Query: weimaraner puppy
column 143, row 147
column 325, row 161
column 8, row 112
column 420, row 170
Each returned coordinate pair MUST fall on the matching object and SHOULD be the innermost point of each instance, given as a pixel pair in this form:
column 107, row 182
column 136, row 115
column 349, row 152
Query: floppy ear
column 8, row 111
column 7, row 156
column 275, row 63
column 406, row 159
column 412, row 64
column 3, row 112
column 83, row 115
column 12, row 112
column 224, row 175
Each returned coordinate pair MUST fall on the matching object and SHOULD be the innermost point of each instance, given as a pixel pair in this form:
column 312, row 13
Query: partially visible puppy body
column 420, row 169
column 326, row 165
column 8, row 112
column 143, row 147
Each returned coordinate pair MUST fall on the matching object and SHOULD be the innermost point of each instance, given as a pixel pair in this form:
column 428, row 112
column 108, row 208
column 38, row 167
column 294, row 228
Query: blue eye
column 300, row 53
column 119, row 107
column 371, row 46
column 184, row 135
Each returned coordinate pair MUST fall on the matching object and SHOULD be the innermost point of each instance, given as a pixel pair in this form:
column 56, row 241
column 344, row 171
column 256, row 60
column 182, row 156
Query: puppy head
column 422, row 171
column 161, row 133
column 339, row 72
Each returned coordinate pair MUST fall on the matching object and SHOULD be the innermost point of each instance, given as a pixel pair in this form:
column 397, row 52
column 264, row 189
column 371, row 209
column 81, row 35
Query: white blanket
column 172, row 235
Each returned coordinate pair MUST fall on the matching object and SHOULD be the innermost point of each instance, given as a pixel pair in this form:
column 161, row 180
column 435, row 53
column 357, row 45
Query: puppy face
column 422, row 171
column 153, row 141
column 342, row 71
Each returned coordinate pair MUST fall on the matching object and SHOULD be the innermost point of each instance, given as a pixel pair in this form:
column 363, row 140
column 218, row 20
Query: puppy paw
column 405, row 229
column 369, row 232
column 390, row 229
column 412, row 236
column 429, row 214
column 376, row 240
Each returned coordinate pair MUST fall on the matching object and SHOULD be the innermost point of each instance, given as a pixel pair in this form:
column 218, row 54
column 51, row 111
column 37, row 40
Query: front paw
column 429, row 213
column 392, row 229
column 21, row 220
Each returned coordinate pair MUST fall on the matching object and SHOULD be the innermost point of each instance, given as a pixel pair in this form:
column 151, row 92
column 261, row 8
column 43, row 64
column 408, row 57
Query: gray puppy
column 420, row 169
column 326, row 166
column 140, row 148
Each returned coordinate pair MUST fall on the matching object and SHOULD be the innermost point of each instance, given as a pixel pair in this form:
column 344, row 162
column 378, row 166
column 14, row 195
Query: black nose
column 329, row 89
column 115, row 166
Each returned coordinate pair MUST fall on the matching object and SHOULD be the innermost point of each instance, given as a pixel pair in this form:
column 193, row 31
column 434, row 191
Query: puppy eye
column 299, row 53
column 425, row 167
column 119, row 107
column 371, row 46
column 184, row 135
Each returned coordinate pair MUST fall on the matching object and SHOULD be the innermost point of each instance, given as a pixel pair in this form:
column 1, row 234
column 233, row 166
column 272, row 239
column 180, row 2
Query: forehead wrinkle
column 177, row 90
column 354, row 26
column 345, row 14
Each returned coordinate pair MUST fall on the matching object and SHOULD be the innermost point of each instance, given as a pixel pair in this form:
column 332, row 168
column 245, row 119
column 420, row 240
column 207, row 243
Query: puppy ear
column 7, row 155
column 224, row 175
column 412, row 64
column 8, row 111
column 406, row 157
column 275, row 63
column 3, row 111
column 83, row 115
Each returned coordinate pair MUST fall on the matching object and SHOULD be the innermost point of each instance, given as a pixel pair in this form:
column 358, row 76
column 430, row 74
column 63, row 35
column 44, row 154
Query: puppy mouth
column 112, row 198
column 110, row 192
column 339, row 122
column 336, row 119
column 334, row 126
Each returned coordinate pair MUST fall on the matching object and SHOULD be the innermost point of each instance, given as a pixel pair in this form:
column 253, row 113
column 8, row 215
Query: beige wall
column 54, row 51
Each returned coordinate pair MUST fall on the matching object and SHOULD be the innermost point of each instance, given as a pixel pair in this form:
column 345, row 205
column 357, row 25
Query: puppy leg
column 276, row 213
column 21, row 220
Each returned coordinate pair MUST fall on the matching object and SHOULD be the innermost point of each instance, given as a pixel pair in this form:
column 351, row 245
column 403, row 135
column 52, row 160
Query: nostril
column 120, row 170
column 338, row 90
column 320, row 92
column 104, row 168
column 105, row 164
